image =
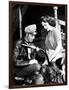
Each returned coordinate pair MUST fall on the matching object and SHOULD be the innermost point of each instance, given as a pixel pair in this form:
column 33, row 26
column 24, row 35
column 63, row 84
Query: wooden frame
column 39, row 9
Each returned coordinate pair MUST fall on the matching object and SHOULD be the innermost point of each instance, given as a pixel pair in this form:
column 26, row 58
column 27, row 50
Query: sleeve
column 57, row 34
column 16, row 54
column 17, row 51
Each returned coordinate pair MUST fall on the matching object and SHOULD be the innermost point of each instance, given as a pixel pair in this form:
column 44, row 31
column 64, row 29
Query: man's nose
column 45, row 24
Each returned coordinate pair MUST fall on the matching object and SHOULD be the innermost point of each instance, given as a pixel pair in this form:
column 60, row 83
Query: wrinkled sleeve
column 16, row 51
column 57, row 34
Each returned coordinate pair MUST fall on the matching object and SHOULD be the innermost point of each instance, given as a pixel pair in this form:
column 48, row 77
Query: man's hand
column 33, row 61
column 37, row 49
column 33, row 47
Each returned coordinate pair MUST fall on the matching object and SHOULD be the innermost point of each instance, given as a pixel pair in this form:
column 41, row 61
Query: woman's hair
column 49, row 19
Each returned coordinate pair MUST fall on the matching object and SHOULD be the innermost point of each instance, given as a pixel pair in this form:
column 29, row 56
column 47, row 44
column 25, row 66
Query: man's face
column 31, row 37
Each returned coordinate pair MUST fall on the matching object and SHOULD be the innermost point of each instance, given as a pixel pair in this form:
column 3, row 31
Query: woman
column 53, row 42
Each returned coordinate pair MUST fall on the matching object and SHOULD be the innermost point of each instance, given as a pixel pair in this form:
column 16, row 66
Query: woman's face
column 46, row 25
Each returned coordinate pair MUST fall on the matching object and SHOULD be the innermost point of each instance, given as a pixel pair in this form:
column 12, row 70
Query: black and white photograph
column 37, row 44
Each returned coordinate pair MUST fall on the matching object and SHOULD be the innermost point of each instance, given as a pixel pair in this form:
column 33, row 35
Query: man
column 52, row 40
column 24, row 56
